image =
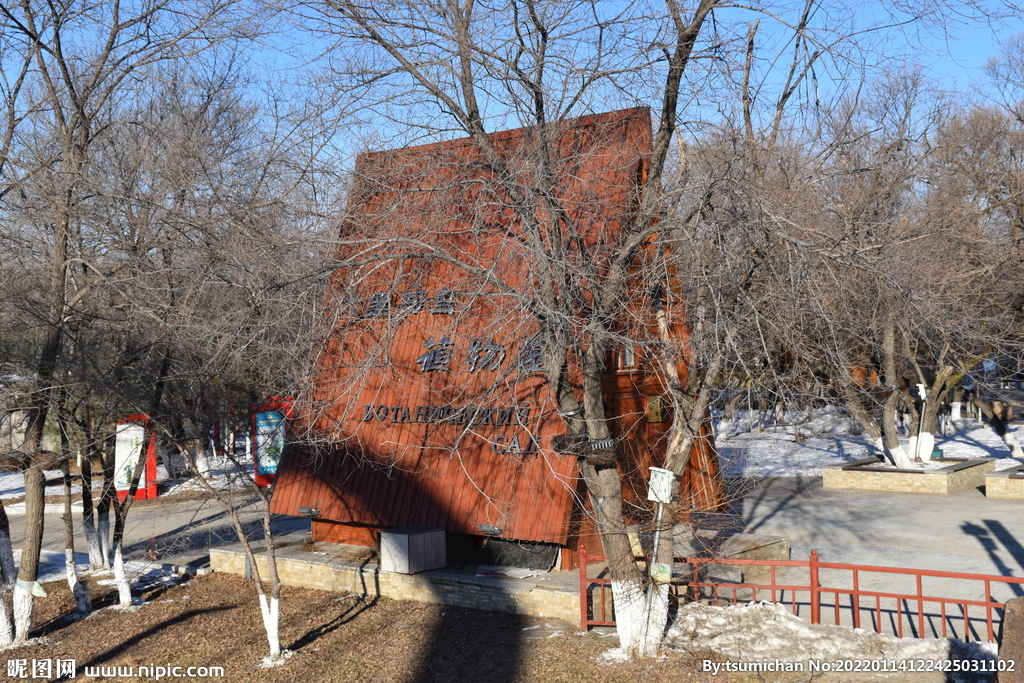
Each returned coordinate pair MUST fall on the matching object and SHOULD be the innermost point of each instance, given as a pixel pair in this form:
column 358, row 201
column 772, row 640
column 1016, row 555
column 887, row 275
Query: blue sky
column 959, row 61
column 954, row 59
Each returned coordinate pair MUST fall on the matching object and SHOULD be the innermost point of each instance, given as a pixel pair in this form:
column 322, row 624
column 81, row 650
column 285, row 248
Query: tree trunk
column 269, row 605
column 999, row 426
column 912, row 430
column 930, row 412
column 869, row 424
column 79, row 588
column 28, row 574
column 956, row 405
column 929, row 420
column 89, row 528
column 97, row 559
column 35, row 480
column 8, row 575
column 124, row 590
column 108, row 500
column 270, row 614
column 124, row 586
column 896, row 453
column 605, row 488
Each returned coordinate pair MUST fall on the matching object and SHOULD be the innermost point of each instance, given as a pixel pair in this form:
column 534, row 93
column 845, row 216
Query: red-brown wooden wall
column 373, row 465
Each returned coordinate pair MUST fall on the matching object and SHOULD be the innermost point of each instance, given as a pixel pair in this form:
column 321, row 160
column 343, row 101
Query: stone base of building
column 556, row 596
column 867, row 475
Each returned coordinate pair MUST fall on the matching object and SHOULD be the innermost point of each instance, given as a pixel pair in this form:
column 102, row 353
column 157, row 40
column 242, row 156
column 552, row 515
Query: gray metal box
column 412, row 549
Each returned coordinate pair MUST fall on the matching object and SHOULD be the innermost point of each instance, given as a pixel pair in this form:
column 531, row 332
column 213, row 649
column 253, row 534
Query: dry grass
column 214, row 621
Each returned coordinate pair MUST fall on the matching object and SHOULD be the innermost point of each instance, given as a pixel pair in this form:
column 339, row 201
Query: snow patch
column 141, row 576
column 33, row 642
column 270, row 662
column 614, row 656
column 802, row 443
column 762, row 630
column 486, row 570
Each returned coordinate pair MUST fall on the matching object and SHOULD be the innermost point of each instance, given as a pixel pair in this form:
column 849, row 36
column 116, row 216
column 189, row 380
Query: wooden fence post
column 584, row 626
column 815, row 595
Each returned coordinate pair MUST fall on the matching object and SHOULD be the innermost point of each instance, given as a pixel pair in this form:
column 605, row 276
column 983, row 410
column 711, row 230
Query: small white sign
column 660, row 490
column 661, row 573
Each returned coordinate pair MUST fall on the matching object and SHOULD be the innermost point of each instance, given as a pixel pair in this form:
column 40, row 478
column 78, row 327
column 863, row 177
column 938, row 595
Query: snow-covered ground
column 222, row 475
column 802, row 443
column 767, row 633
column 12, row 484
column 51, row 568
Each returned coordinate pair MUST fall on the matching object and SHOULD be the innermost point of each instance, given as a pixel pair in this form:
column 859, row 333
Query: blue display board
column 269, row 441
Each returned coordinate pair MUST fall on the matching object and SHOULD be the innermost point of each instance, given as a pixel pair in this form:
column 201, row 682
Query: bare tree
column 84, row 58
column 216, row 209
column 871, row 249
column 481, row 68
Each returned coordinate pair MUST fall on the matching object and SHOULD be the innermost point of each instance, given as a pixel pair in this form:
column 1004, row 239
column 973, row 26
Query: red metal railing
column 917, row 611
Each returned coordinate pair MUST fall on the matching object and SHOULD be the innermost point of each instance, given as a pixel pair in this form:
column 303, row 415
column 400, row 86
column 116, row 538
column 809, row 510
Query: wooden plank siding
column 460, row 447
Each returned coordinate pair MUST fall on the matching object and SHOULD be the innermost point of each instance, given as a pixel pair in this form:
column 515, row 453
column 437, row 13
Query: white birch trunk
column 103, row 532
column 954, row 410
column 124, row 589
column 640, row 629
column 1011, row 441
column 6, row 625
column 270, row 620
column 925, row 446
column 22, row 611
column 79, row 588
column 95, row 548
column 901, row 459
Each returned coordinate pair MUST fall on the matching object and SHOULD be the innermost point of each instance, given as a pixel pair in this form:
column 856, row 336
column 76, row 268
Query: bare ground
column 214, row 621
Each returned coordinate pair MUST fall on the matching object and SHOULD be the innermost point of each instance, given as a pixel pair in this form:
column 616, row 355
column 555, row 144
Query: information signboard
column 660, row 490
column 127, row 447
column 269, row 441
column 128, row 443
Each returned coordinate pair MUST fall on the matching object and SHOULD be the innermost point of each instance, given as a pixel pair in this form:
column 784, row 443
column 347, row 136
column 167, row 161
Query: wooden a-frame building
column 428, row 404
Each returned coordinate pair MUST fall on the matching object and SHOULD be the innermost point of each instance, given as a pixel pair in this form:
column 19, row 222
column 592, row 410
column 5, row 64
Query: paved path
column 172, row 531
column 964, row 532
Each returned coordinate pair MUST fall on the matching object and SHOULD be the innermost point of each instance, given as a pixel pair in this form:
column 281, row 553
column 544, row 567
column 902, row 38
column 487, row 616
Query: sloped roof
column 425, row 396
